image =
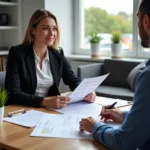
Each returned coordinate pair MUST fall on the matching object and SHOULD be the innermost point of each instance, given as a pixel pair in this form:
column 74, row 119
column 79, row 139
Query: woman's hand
column 56, row 102
column 90, row 97
column 114, row 114
column 87, row 124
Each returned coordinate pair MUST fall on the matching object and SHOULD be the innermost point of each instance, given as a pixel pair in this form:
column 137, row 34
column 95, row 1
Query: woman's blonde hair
column 34, row 21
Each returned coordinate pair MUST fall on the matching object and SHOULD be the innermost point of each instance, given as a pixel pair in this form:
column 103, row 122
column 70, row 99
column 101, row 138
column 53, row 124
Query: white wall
column 63, row 10
column 28, row 8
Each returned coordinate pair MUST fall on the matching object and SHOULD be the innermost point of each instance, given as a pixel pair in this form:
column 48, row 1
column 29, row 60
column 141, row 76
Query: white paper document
column 81, row 108
column 60, row 126
column 109, row 101
column 87, row 86
column 29, row 119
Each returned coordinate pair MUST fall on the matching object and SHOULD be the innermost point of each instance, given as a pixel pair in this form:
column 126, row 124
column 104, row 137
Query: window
column 104, row 17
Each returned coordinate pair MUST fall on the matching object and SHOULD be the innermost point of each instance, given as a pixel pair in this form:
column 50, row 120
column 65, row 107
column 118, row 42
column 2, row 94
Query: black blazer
column 21, row 80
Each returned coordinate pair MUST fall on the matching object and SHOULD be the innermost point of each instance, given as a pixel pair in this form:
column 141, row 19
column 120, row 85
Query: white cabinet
column 10, row 34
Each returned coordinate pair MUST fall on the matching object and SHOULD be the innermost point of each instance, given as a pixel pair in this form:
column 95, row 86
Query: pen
column 110, row 107
column 16, row 113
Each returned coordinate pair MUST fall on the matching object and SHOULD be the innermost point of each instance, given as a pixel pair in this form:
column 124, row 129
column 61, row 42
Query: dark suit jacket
column 21, row 80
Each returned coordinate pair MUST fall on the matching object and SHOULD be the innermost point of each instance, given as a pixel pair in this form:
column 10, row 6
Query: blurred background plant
column 116, row 37
column 94, row 38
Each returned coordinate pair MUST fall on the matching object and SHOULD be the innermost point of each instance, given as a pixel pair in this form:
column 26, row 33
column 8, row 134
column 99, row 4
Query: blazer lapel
column 54, row 63
column 31, row 67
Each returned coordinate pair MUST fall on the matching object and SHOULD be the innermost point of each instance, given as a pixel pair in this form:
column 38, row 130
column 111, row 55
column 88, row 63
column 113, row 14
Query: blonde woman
column 35, row 68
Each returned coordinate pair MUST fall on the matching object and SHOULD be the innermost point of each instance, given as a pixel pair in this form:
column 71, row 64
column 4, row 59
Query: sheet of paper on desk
column 60, row 126
column 81, row 108
column 108, row 101
column 29, row 119
column 87, row 86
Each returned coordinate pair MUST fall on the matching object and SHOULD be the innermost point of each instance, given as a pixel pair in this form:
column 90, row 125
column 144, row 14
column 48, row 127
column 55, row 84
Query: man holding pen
column 134, row 133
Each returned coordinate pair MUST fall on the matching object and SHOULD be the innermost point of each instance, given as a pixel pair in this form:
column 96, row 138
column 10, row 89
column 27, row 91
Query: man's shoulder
column 146, row 71
column 145, row 75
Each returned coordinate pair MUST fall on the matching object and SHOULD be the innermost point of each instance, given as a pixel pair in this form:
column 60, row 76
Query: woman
column 35, row 67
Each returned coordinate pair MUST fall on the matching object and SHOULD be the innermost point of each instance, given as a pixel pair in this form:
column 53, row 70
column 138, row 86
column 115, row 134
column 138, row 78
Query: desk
column 15, row 137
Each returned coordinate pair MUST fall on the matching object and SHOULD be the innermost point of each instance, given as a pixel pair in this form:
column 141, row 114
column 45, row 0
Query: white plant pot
column 95, row 49
column 116, row 50
column 1, row 114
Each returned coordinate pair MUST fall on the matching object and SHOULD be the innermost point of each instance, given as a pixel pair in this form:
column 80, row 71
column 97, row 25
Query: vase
column 1, row 114
column 116, row 50
column 95, row 49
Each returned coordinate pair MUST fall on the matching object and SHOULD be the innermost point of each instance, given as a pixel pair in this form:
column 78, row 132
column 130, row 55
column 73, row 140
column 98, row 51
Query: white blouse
column 44, row 76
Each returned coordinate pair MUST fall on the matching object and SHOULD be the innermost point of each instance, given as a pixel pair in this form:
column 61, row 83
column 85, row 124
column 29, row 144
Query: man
column 134, row 132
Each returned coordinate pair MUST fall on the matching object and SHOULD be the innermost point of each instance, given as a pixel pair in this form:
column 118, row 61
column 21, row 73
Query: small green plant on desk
column 3, row 99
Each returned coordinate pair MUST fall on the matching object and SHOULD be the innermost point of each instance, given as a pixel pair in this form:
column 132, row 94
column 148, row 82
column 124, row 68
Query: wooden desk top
column 16, row 137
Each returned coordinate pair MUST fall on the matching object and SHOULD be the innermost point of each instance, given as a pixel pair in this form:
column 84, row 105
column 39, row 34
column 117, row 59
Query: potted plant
column 94, row 40
column 3, row 98
column 116, row 46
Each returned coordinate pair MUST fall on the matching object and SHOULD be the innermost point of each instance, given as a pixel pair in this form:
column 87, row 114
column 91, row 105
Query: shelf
column 3, row 52
column 8, row 27
column 8, row 4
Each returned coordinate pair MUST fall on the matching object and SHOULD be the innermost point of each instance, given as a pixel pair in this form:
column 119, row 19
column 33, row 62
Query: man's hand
column 114, row 114
column 87, row 124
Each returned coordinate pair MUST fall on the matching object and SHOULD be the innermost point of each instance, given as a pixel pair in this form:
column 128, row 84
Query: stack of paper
column 29, row 119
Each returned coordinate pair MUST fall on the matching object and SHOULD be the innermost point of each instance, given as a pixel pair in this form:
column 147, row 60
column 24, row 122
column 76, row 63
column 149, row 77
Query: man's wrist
column 96, row 126
column 125, row 113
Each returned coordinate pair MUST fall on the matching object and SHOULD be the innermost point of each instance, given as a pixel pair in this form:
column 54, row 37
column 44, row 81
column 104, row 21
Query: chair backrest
column 119, row 71
column 89, row 71
column 2, row 79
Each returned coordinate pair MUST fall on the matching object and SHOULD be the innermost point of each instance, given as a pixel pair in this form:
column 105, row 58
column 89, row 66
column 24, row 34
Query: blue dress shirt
column 134, row 132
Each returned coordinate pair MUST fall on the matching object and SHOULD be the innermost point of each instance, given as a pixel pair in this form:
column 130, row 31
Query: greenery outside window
column 104, row 17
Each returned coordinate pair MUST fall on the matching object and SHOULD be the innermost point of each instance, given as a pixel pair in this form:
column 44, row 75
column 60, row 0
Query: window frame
column 137, row 49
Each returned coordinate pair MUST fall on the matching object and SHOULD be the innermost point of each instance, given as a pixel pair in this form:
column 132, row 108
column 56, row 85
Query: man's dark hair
column 145, row 7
